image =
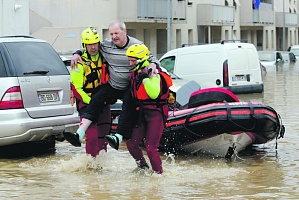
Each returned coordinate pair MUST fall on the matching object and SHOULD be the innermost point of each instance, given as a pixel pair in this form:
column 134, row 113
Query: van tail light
column 225, row 74
column 12, row 99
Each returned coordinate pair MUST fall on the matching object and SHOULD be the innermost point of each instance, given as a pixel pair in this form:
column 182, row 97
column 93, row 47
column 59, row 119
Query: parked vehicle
column 288, row 57
column 233, row 65
column 295, row 50
column 270, row 58
column 34, row 94
column 67, row 61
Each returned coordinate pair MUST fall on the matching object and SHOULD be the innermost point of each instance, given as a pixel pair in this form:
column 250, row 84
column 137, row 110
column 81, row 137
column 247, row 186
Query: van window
column 33, row 56
column 168, row 63
column 278, row 56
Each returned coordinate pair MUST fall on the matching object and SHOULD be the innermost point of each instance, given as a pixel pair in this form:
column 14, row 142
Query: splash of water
column 83, row 163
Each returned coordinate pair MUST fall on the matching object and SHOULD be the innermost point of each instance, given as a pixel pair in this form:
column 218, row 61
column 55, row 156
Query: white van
column 229, row 64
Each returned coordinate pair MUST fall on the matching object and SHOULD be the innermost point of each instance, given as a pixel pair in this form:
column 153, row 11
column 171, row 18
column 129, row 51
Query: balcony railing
column 151, row 10
column 264, row 15
column 291, row 19
column 208, row 14
column 158, row 9
column 222, row 14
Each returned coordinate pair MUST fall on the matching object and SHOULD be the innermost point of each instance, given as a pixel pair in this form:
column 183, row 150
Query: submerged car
column 288, row 57
column 295, row 50
column 34, row 94
column 270, row 58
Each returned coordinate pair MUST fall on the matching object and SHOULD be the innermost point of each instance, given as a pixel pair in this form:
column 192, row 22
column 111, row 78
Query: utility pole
column 168, row 25
column 283, row 28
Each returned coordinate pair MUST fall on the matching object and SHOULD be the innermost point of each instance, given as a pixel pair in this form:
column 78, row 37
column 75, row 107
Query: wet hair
column 121, row 24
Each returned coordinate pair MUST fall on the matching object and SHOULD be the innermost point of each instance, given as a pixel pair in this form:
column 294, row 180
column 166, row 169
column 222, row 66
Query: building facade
column 161, row 24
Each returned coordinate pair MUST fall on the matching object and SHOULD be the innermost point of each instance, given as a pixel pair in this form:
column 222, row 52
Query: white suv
column 34, row 94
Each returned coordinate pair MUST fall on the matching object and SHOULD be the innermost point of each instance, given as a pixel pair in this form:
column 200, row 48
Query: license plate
column 239, row 78
column 48, row 97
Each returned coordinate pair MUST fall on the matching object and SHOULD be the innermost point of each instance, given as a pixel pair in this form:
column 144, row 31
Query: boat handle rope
column 230, row 120
column 199, row 135
column 281, row 130
column 187, row 129
column 281, row 127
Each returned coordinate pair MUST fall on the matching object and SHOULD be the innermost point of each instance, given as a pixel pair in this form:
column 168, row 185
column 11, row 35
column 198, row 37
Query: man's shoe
column 72, row 138
column 113, row 141
column 141, row 166
column 145, row 166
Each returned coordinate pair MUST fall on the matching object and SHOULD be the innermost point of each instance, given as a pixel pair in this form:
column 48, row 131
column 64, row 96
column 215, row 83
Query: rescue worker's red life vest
column 139, row 93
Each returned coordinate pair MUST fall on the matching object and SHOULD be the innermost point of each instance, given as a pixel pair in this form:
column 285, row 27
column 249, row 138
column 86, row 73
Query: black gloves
column 141, row 76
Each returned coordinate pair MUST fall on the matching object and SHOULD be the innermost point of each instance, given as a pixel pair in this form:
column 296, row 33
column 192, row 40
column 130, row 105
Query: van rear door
column 243, row 68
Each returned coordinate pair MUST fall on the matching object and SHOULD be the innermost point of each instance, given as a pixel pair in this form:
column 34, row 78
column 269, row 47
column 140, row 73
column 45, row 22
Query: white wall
column 60, row 21
column 74, row 13
column 14, row 17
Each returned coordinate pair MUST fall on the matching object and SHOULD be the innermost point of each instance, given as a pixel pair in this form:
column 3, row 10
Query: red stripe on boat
column 220, row 113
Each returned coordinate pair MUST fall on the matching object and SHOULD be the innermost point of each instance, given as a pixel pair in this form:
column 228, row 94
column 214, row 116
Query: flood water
column 262, row 173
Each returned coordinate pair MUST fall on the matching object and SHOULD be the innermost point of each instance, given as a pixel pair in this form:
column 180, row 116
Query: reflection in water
column 260, row 172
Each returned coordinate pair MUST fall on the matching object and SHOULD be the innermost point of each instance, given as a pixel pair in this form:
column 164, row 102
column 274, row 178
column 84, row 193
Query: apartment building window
column 266, row 38
column 272, row 39
column 190, row 36
column 178, row 38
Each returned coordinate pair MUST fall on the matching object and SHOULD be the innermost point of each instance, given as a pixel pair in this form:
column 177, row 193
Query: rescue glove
column 142, row 76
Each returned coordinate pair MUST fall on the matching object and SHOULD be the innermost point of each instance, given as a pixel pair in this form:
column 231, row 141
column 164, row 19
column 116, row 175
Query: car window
column 295, row 51
column 2, row 68
column 266, row 56
column 173, row 76
column 168, row 63
column 292, row 56
column 32, row 56
column 278, row 56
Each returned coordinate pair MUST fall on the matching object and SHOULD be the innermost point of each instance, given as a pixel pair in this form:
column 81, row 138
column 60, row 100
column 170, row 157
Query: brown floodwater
column 264, row 172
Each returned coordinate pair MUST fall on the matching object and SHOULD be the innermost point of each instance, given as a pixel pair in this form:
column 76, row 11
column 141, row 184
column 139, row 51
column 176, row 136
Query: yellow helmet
column 90, row 36
column 138, row 51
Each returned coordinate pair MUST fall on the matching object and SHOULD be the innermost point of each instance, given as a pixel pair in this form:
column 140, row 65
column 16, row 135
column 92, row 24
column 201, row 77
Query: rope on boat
column 187, row 129
column 230, row 120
